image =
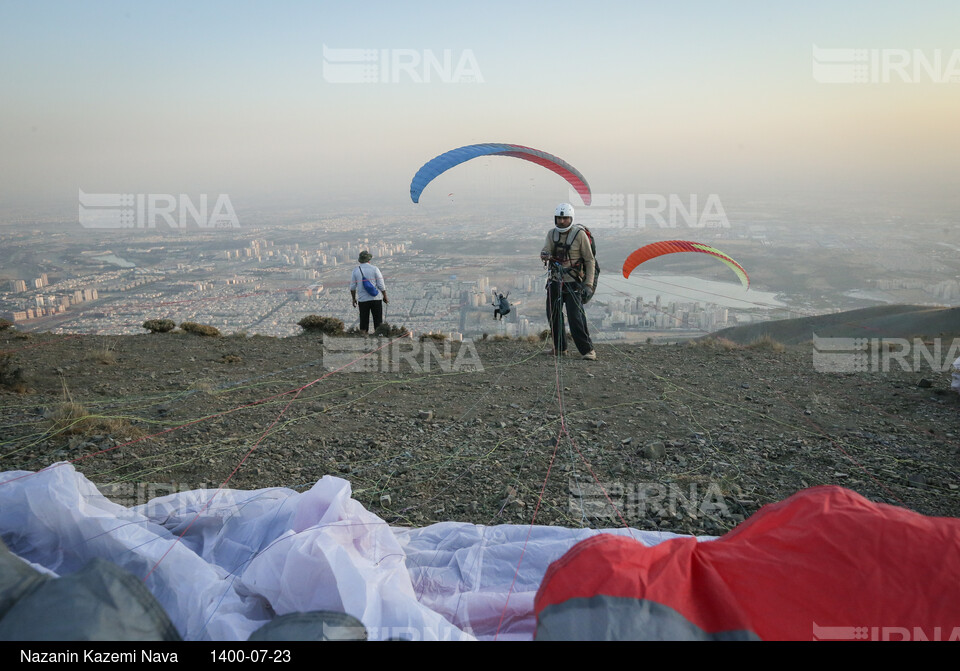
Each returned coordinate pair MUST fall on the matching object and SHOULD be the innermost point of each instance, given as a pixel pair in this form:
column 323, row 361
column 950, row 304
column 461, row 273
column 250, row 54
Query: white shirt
column 372, row 273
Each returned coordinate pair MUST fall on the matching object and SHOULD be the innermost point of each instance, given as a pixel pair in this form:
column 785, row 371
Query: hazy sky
column 643, row 97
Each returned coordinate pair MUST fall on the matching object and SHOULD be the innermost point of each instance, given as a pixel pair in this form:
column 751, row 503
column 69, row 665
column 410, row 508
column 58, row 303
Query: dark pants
column 368, row 307
column 569, row 296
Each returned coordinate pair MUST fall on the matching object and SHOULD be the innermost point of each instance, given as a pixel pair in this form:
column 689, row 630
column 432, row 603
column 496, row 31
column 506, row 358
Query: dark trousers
column 368, row 307
column 569, row 296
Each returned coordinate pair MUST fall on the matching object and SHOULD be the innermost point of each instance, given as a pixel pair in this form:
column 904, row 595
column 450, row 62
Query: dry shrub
column 326, row 325
column 72, row 418
column 159, row 325
column 200, row 329
column 388, row 331
column 767, row 343
column 724, row 344
column 103, row 355
column 12, row 377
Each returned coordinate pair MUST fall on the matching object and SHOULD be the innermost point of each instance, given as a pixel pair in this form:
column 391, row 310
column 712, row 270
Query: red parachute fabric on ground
column 824, row 564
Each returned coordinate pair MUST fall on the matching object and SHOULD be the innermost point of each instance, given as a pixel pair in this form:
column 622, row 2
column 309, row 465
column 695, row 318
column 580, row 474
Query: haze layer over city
column 226, row 163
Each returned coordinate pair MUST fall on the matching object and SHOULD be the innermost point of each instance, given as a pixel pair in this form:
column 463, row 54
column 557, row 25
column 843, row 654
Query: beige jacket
column 571, row 266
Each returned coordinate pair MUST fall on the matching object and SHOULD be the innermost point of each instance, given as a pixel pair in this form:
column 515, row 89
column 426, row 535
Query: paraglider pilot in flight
column 501, row 307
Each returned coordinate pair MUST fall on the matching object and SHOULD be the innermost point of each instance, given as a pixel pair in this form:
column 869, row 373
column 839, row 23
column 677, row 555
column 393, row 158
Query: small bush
column 12, row 378
column 159, row 325
column 439, row 337
column 5, row 324
column 766, row 343
column 501, row 338
column 326, row 325
column 200, row 329
column 544, row 334
column 388, row 331
column 72, row 418
column 104, row 355
column 724, row 344
column 204, row 386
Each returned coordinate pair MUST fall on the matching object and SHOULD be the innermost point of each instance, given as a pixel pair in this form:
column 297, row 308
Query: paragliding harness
column 562, row 253
column 368, row 286
column 501, row 307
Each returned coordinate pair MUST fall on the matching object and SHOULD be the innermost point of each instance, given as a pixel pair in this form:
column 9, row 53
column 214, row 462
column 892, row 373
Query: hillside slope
column 690, row 439
column 883, row 321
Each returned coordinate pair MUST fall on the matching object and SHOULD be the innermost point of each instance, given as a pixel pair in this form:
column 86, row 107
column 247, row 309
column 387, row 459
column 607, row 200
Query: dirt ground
column 684, row 438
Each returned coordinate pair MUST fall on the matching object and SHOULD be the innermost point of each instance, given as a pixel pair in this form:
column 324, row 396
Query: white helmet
column 563, row 210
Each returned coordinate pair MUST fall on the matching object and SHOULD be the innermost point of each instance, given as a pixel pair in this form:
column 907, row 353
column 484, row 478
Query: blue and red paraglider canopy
column 455, row 157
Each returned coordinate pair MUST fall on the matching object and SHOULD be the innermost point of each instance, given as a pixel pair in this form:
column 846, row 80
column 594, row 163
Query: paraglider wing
column 656, row 249
column 455, row 157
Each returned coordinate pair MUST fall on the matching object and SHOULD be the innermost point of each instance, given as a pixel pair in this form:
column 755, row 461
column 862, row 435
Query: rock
column 924, row 383
column 655, row 450
column 426, row 415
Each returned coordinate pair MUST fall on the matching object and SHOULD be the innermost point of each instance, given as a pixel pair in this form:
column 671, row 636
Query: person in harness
column 501, row 307
column 568, row 254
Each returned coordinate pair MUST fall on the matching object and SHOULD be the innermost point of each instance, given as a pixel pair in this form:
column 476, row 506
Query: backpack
column 593, row 248
column 368, row 286
column 504, row 306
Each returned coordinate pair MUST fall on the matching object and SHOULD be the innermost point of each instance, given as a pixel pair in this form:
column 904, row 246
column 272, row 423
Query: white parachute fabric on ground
column 246, row 557
column 224, row 563
column 484, row 578
column 319, row 550
column 57, row 519
column 956, row 375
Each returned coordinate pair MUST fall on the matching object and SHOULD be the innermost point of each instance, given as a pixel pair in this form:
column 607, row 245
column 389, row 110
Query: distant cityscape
column 264, row 279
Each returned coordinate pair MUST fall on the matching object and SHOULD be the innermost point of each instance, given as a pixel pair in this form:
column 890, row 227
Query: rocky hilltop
column 690, row 438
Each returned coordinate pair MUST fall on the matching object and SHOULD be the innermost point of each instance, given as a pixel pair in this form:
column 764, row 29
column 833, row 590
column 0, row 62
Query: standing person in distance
column 569, row 257
column 368, row 291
